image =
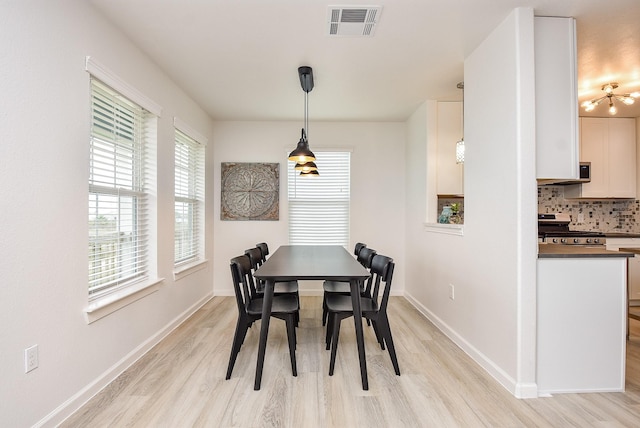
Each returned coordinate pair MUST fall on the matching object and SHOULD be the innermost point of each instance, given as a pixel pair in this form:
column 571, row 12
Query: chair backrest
column 240, row 273
column 359, row 246
column 255, row 259
column 365, row 255
column 255, row 255
column 382, row 271
column 264, row 249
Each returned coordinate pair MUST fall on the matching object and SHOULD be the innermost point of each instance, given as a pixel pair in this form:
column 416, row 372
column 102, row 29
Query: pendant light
column 460, row 144
column 302, row 155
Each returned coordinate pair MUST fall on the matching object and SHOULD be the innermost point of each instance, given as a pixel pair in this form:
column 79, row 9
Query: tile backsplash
column 605, row 215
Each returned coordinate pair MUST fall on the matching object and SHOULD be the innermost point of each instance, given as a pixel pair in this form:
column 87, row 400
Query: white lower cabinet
column 614, row 244
column 581, row 314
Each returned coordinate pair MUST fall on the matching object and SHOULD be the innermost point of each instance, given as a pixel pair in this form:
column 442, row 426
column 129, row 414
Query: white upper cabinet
column 450, row 174
column 557, row 155
column 609, row 144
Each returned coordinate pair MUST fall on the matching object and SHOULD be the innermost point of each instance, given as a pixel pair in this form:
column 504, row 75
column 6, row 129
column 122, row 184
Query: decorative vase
column 445, row 214
column 455, row 219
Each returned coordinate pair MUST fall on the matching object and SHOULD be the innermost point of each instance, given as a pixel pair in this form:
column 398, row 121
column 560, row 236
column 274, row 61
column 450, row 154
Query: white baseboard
column 66, row 409
column 518, row 390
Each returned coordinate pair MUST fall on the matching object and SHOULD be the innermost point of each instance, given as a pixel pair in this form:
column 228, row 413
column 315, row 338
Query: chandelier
column 628, row 99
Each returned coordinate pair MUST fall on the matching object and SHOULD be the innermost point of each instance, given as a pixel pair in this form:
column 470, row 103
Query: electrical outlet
column 451, row 292
column 31, row 358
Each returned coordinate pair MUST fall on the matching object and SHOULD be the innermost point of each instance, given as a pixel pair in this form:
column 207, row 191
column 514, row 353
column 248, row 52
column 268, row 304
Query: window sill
column 447, row 229
column 185, row 270
column 104, row 306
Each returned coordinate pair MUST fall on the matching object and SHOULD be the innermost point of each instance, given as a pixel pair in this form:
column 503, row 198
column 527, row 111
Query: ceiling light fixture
column 628, row 99
column 302, row 154
column 460, row 144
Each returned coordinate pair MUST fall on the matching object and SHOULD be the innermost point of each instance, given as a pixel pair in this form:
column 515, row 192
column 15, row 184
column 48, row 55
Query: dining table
column 311, row 262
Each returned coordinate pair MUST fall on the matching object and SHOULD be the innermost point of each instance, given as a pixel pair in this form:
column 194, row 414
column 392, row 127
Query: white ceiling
column 238, row 58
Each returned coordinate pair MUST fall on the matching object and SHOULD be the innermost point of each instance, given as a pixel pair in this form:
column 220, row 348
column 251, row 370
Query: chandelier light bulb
column 589, row 106
column 608, row 88
column 612, row 108
column 634, row 94
column 628, row 100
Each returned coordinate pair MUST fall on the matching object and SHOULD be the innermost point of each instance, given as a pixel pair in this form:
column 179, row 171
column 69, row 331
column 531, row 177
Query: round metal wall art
column 250, row 191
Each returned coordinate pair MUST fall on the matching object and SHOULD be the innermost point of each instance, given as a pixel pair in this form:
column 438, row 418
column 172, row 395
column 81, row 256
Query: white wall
column 44, row 129
column 377, row 187
column 492, row 266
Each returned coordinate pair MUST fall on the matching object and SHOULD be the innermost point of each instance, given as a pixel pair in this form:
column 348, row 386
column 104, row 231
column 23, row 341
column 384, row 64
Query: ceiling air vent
column 353, row 20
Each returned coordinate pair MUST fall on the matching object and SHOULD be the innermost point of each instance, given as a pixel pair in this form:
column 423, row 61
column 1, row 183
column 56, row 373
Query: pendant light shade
column 301, row 154
column 313, row 173
column 306, row 167
column 460, row 151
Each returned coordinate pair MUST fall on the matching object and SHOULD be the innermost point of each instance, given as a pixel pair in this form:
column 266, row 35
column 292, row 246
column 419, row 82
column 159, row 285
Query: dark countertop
column 549, row 251
column 621, row 235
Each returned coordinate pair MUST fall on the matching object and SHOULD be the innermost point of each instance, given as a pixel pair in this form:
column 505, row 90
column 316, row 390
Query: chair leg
column 335, row 321
column 291, row 333
column 330, row 322
column 238, row 338
column 389, row 339
column 379, row 336
column 325, row 312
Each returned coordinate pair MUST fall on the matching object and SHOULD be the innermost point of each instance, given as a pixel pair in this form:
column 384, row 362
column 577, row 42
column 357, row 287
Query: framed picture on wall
column 250, row 191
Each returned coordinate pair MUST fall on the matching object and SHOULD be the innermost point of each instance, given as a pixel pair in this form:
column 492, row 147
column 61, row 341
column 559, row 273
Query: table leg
column 357, row 320
column 264, row 330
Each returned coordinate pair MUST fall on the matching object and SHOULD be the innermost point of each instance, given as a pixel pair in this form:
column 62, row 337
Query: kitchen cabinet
column 581, row 318
column 609, row 144
column 633, row 273
column 450, row 175
column 556, row 109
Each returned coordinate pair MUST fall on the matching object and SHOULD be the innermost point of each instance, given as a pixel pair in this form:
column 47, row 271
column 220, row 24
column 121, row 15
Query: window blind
column 189, row 199
column 118, row 211
column 319, row 206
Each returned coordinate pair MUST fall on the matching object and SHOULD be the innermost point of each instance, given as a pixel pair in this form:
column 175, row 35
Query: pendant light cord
column 306, row 114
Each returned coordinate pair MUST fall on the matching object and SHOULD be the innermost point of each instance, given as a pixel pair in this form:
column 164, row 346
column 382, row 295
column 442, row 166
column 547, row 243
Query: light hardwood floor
column 180, row 382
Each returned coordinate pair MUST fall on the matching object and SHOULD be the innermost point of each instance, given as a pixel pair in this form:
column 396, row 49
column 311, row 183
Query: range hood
column 561, row 181
column 584, row 173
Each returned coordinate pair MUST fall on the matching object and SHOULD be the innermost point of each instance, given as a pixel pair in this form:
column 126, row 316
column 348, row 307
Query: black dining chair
column 283, row 307
column 374, row 308
column 284, row 287
column 364, row 256
column 256, row 286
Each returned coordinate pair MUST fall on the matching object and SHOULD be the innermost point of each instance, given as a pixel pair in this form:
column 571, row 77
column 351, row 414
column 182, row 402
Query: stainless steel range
column 554, row 229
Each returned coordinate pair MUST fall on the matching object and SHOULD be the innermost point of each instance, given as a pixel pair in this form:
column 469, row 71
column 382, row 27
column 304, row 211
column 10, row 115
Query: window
column 319, row 206
column 189, row 200
column 118, row 192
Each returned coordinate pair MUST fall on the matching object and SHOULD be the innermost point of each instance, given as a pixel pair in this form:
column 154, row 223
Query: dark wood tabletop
column 291, row 262
column 311, row 262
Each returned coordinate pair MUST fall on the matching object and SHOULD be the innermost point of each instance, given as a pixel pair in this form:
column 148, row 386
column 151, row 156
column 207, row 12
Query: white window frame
column 319, row 207
column 189, row 198
column 127, row 285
